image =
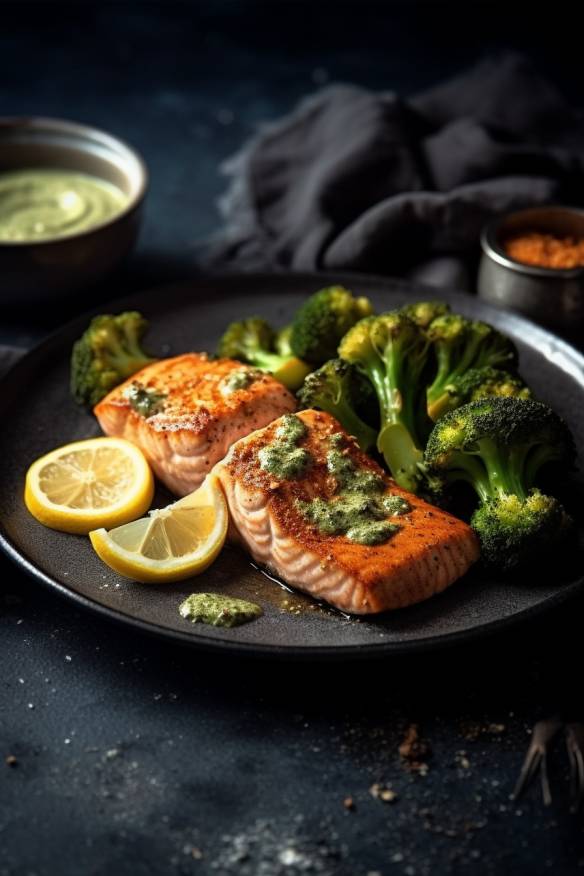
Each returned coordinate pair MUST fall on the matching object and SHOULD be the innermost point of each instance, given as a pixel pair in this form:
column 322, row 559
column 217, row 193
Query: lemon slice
column 173, row 543
column 87, row 484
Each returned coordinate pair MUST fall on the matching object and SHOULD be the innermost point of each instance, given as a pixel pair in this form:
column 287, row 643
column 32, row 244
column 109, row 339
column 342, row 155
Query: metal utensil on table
column 550, row 296
column 542, row 737
column 536, row 758
column 575, row 746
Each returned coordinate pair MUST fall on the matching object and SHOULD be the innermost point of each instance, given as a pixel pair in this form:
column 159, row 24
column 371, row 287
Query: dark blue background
column 132, row 753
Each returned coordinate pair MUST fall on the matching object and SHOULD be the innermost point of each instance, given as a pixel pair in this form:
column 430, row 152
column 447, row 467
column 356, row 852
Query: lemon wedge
column 87, row 484
column 170, row 544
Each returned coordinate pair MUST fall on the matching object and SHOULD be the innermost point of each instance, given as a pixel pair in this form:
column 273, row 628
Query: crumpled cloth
column 357, row 180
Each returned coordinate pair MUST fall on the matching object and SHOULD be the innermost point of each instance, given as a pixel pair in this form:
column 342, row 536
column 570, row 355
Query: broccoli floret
column 514, row 531
column 107, row 353
column 335, row 388
column 476, row 384
column 321, row 322
column 391, row 351
column 460, row 344
column 498, row 446
column 282, row 341
column 424, row 312
column 253, row 341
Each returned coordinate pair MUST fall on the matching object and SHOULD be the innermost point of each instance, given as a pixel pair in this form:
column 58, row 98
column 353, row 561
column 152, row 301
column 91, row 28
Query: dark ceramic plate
column 37, row 414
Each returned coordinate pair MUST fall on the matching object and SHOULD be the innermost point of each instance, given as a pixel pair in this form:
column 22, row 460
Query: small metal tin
column 550, row 296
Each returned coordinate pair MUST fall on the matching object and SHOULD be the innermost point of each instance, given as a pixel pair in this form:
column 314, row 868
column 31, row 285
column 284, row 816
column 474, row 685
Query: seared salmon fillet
column 429, row 550
column 187, row 412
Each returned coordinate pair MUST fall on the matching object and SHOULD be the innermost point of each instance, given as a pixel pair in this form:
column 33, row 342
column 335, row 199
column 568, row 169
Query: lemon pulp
column 170, row 544
column 97, row 482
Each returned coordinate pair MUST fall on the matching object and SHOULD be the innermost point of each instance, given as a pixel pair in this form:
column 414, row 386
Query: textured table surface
column 121, row 755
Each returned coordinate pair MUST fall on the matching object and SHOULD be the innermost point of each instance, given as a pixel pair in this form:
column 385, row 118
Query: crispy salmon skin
column 430, row 550
column 203, row 406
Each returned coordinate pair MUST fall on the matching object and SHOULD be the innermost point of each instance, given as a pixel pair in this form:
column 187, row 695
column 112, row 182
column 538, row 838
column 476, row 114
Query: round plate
column 37, row 414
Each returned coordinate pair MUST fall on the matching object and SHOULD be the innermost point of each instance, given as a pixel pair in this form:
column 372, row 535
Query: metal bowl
column 43, row 269
column 551, row 296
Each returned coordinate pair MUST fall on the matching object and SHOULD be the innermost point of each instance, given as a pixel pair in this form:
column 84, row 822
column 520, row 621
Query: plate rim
column 292, row 651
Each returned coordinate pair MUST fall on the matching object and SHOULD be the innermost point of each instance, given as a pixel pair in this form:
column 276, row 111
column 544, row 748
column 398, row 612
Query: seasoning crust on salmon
column 186, row 412
column 427, row 551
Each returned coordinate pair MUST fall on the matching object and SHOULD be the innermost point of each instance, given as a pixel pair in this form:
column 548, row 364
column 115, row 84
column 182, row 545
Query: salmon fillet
column 200, row 415
column 429, row 552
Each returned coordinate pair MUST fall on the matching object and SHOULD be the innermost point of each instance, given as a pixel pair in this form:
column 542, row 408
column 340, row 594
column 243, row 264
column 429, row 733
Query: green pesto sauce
column 395, row 506
column 145, row 402
column 240, row 379
column 283, row 458
column 359, row 510
column 218, row 610
column 41, row 204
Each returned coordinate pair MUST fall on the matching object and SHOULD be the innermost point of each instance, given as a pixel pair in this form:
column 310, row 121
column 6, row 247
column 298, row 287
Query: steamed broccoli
column 498, row 446
column 321, row 322
column 424, row 312
column 336, row 388
column 476, row 384
column 460, row 344
column 391, row 351
column 253, row 341
column 282, row 341
column 107, row 353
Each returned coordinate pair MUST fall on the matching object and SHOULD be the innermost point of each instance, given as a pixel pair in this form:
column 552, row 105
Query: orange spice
column 545, row 250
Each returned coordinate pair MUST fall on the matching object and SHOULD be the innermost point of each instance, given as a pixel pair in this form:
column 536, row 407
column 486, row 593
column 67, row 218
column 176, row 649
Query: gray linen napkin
column 357, row 180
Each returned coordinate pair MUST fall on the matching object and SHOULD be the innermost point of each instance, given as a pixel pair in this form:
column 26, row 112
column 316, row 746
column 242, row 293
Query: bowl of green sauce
column 71, row 199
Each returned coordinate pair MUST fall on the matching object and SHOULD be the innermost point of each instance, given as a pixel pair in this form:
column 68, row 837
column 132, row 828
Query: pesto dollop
column 240, row 379
column 361, row 518
column 283, row 458
column 145, row 402
column 359, row 510
column 41, row 203
column 396, row 505
column 218, row 610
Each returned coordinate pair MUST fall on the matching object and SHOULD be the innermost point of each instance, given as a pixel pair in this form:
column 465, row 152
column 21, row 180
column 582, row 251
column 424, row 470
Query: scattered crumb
column 349, row 803
column 111, row 753
column 10, row 760
column 414, row 751
column 473, row 730
column 380, row 792
column 462, row 760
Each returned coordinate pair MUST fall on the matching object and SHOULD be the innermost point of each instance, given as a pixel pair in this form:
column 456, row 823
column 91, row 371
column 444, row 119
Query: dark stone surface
column 135, row 757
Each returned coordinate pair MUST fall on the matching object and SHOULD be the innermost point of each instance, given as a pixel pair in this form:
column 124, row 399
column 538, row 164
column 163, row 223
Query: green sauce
column 359, row 510
column 240, row 379
column 41, row 204
column 283, row 458
column 218, row 611
column 395, row 506
column 145, row 402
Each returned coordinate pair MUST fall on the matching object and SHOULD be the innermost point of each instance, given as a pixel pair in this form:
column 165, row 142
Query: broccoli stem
column 471, row 469
column 397, row 439
column 403, row 458
column 449, row 371
column 491, row 471
column 504, row 468
column 267, row 361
